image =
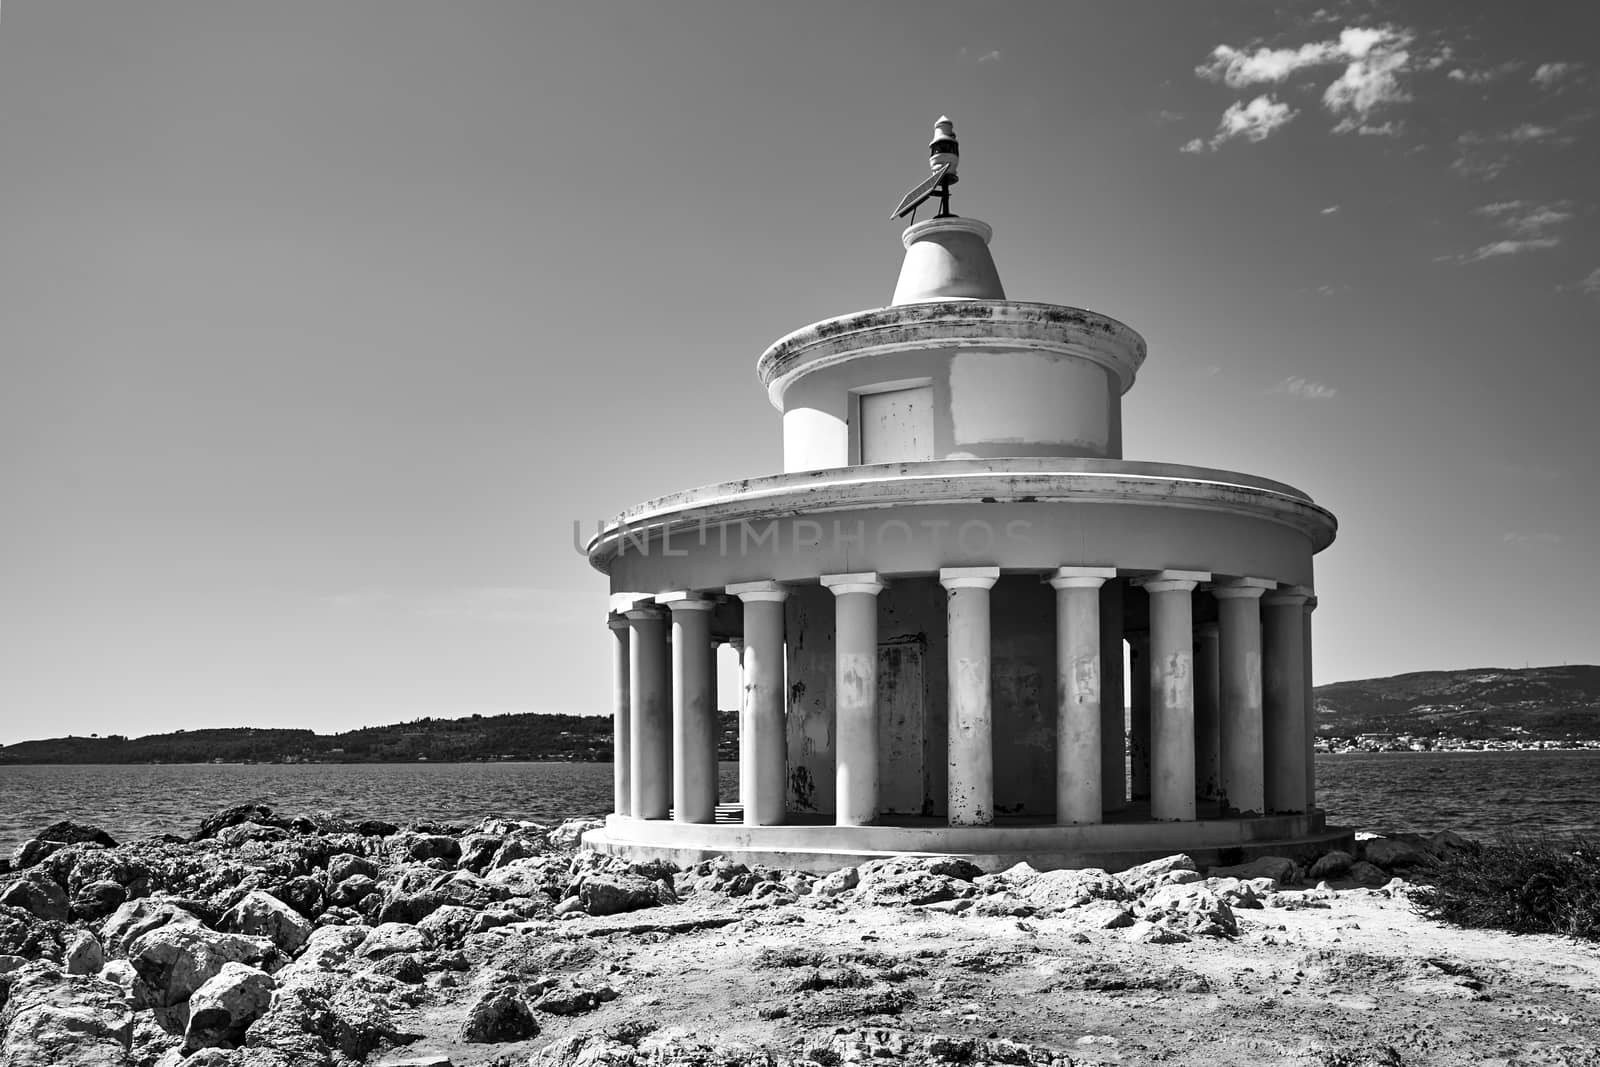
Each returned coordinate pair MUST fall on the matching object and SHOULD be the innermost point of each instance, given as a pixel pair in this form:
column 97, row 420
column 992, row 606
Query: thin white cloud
column 1253, row 122
column 1331, row 209
column 1169, row 116
column 1505, row 248
column 1375, row 58
column 1548, row 74
column 1589, row 285
column 990, row 56
column 1372, row 80
column 1306, row 389
column 1194, row 144
column 1530, row 540
column 1485, row 75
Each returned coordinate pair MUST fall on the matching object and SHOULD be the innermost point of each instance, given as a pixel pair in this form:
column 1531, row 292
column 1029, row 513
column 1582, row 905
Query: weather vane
column 944, row 153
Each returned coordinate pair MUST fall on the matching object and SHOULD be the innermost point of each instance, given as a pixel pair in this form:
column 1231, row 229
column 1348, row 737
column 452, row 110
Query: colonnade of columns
column 1219, row 711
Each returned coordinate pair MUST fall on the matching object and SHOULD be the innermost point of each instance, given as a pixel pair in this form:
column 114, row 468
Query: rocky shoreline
column 263, row 941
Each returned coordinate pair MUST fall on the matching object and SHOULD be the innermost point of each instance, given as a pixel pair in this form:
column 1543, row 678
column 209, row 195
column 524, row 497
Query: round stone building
column 967, row 626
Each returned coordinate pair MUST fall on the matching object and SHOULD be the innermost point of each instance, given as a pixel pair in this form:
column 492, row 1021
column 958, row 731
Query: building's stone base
column 1114, row 846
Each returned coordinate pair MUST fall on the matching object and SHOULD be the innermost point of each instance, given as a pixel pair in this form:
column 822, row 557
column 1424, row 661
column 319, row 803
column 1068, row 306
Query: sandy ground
column 1363, row 980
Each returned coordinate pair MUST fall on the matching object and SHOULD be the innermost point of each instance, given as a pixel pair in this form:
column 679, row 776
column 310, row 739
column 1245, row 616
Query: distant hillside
column 1540, row 703
column 1536, row 703
column 478, row 737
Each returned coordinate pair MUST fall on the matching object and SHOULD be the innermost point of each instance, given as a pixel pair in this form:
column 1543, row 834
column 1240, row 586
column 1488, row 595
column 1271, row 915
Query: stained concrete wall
column 1022, row 613
column 989, row 402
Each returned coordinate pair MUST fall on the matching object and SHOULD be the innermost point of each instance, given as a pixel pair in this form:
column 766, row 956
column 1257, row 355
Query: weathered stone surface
column 55, row 837
column 1193, row 909
column 138, row 917
column 449, row 925
column 433, row 846
column 84, row 954
column 241, row 833
column 902, row 880
column 226, row 1004
column 837, row 882
column 609, row 894
column 1363, row 873
column 317, row 1015
column 1281, row 869
column 568, row 833
column 264, row 915
column 24, row 934
column 176, row 959
column 1168, row 870
column 51, row 1019
column 498, row 1015
column 217, row 821
column 95, row 900
column 1390, row 853
column 1335, row 864
column 347, row 865
column 1055, row 891
column 389, row 938
column 37, row 895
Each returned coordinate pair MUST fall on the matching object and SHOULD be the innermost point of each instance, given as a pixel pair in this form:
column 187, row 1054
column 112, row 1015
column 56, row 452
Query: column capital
column 968, row 577
column 1287, row 596
column 1311, row 603
column 623, row 602
column 1172, row 581
column 1239, row 588
column 685, row 600
column 755, row 592
column 859, row 582
column 617, row 620
column 1080, row 577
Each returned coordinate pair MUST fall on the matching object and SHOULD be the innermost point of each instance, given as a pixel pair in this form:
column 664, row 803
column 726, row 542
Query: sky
column 321, row 325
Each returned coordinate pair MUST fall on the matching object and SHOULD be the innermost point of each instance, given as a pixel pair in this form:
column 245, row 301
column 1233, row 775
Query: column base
column 808, row 844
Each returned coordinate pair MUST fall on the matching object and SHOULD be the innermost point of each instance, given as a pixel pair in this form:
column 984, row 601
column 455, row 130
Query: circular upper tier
column 1021, row 514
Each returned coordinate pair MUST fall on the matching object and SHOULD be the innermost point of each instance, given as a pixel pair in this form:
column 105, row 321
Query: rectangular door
column 897, row 425
column 902, row 778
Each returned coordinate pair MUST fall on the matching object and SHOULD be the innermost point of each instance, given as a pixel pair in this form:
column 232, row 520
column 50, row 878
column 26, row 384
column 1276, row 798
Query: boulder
column 176, row 959
column 84, row 954
column 524, row 844
column 570, row 833
column 422, row 847
column 316, row 1015
column 1149, row 933
column 244, row 832
column 1168, row 870
column 352, row 891
column 56, row 837
column 609, row 894
column 264, row 915
column 449, row 925
column 37, row 895
column 1281, row 869
column 1192, row 909
column 498, row 1015
column 376, row 828
column 1391, row 853
column 348, row 865
column 389, row 938
column 1364, row 873
column 95, row 900
column 1056, row 891
column 913, row 880
column 23, row 933
column 217, row 821
column 303, row 893
column 478, row 851
column 836, row 882
column 138, row 917
column 1446, row 841
column 225, row 1005
column 51, row 1019
column 1335, row 864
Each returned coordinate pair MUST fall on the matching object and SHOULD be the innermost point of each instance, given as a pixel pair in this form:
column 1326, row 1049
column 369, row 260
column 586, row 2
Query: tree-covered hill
column 1533, row 703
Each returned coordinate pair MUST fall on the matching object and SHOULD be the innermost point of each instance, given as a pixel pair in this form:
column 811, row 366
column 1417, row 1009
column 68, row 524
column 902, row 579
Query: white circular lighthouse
column 935, row 601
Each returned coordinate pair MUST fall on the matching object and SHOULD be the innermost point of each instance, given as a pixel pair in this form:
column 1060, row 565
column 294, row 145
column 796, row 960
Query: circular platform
column 820, row 846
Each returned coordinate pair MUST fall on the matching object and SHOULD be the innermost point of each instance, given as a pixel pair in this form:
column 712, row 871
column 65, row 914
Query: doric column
column 1139, row 714
column 1113, row 709
column 971, row 714
column 763, row 748
column 694, row 715
column 650, row 708
column 1311, row 710
column 855, row 734
column 1207, row 727
column 1283, row 635
column 1079, row 692
column 1239, row 675
column 621, row 727
column 1172, row 693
